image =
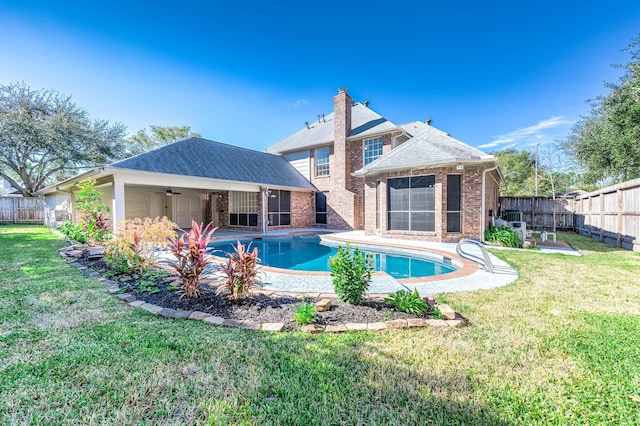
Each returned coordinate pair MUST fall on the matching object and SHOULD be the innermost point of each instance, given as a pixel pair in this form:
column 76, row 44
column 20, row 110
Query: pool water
column 305, row 253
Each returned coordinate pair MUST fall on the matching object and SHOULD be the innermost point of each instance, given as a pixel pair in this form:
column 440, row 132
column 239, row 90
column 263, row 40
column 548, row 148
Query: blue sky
column 250, row 73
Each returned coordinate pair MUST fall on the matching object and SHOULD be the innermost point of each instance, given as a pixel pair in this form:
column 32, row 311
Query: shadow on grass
column 344, row 379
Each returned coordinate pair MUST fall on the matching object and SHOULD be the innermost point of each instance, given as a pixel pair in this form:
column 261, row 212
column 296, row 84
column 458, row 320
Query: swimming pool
column 308, row 253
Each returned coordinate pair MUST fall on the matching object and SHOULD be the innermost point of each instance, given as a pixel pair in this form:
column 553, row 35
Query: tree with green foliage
column 606, row 143
column 518, row 169
column 44, row 135
column 159, row 136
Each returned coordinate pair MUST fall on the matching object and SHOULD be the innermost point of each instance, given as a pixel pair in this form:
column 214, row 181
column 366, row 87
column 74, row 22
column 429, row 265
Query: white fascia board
column 464, row 162
column 137, row 177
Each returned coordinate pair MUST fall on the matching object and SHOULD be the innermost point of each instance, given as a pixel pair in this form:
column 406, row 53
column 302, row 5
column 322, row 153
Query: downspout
column 484, row 191
column 264, row 192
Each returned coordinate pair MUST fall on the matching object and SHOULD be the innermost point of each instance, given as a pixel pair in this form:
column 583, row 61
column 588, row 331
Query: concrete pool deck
column 469, row 277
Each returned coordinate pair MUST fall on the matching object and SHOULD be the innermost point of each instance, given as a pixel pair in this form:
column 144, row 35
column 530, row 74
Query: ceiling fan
column 169, row 192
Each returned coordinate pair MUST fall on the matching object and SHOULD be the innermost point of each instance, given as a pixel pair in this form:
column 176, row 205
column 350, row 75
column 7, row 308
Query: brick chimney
column 342, row 103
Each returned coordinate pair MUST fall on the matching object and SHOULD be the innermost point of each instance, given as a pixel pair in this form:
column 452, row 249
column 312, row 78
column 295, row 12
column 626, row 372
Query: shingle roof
column 209, row 159
column 414, row 127
column 430, row 147
column 364, row 122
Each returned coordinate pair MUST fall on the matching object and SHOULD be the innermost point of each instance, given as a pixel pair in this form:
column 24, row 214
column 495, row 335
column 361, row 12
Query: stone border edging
column 71, row 254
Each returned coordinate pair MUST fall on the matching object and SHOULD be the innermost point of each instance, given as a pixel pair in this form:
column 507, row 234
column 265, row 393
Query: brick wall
column 471, row 214
column 303, row 210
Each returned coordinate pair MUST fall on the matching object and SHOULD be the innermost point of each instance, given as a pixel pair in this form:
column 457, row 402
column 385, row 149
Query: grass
column 560, row 346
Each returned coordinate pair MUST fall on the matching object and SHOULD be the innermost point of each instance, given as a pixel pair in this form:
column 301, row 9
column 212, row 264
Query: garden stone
column 214, row 320
column 313, row 328
column 231, row 323
column 137, row 303
column 167, row 313
column 154, row 309
column 398, row 323
column 276, row 327
column 448, row 313
column 74, row 253
column 356, row 326
column 416, row 322
column 197, row 315
column 323, row 305
column 113, row 290
column 436, row 323
column 183, row 314
column 376, row 326
column 127, row 297
column 335, row 329
column 250, row 325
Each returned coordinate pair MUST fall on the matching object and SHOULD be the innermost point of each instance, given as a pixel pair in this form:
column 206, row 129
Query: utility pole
column 537, row 145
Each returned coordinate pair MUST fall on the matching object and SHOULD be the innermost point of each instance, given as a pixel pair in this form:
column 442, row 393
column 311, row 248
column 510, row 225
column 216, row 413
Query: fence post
column 14, row 210
column 619, row 218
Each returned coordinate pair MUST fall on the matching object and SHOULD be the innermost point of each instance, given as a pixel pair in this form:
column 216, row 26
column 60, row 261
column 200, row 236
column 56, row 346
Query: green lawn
column 560, row 346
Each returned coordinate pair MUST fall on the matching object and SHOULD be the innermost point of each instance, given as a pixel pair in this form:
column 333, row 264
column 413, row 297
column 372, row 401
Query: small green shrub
column 73, row 231
column 408, row 302
column 93, row 212
column 305, row 314
column 506, row 236
column 351, row 271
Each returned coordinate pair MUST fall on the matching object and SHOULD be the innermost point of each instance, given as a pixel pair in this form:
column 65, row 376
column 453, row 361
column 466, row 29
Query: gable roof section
column 364, row 122
column 431, row 147
column 215, row 160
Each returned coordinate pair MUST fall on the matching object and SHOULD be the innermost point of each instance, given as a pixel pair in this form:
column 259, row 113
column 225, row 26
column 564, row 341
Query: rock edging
column 71, row 255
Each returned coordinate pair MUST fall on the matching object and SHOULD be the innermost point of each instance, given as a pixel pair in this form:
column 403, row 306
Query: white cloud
column 529, row 136
column 300, row 102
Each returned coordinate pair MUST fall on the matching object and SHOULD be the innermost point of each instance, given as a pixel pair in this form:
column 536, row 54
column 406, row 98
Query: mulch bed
column 260, row 308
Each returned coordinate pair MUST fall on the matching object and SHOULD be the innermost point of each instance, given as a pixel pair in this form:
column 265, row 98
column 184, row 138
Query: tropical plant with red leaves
column 191, row 257
column 242, row 272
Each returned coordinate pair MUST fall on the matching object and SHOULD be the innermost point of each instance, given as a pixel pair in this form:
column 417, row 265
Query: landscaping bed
column 161, row 288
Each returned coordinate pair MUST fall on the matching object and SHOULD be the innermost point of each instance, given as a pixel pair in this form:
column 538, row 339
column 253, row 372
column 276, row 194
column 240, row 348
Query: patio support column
column 117, row 202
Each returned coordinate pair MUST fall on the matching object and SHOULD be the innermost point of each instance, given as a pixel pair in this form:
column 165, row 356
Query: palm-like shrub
column 242, row 272
column 191, row 257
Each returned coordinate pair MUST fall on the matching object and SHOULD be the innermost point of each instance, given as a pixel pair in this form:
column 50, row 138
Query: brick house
column 351, row 169
column 406, row 181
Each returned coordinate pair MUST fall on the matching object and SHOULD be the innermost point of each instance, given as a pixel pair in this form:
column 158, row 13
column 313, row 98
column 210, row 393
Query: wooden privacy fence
column 538, row 212
column 21, row 210
column 611, row 215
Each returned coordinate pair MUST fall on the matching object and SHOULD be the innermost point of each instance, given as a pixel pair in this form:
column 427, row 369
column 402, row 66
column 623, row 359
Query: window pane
column 242, row 219
column 253, row 219
column 453, row 222
column 233, row 219
column 398, row 221
column 372, row 150
column 419, row 199
column 274, row 202
column 431, row 222
column 398, row 194
column 321, row 218
column 419, row 222
column 321, row 202
column 453, row 192
column 274, row 219
column 322, row 162
column 285, row 201
column 285, row 219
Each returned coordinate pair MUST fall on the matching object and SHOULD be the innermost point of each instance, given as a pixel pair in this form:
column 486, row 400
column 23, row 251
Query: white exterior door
column 155, row 203
column 187, row 209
